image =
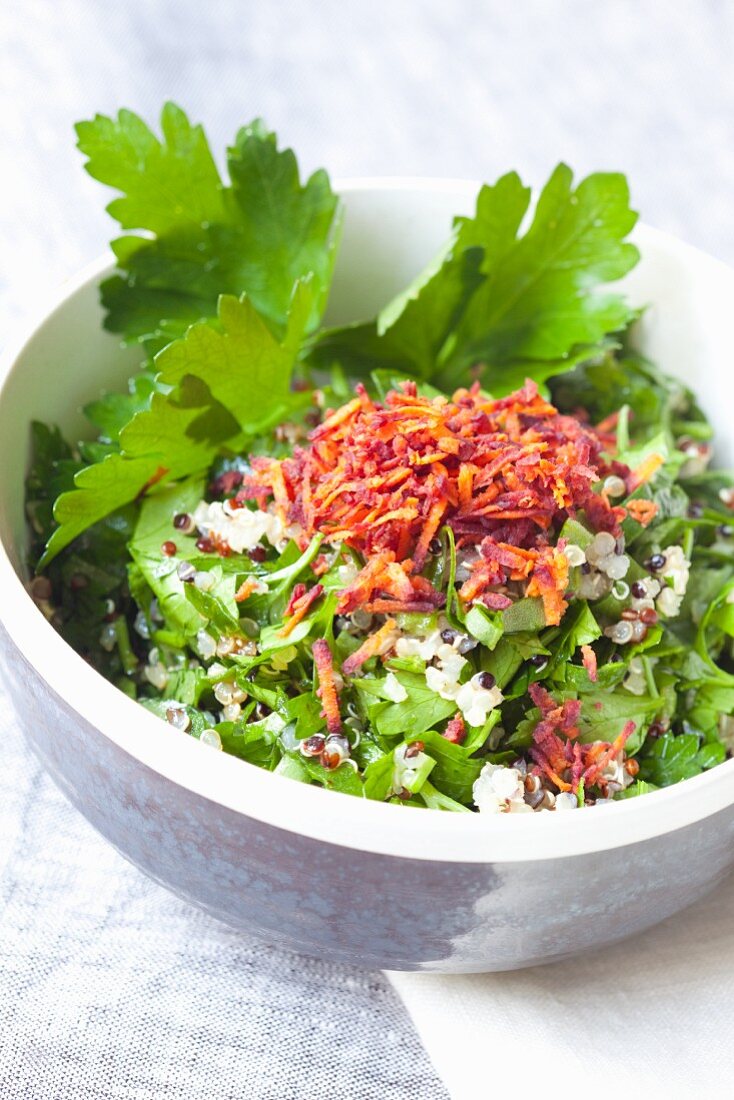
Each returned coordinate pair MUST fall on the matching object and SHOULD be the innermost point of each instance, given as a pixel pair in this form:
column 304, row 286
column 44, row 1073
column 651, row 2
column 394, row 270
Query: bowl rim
column 311, row 811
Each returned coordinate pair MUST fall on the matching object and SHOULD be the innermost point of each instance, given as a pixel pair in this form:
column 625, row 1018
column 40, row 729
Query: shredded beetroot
column 557, row 752
column 384, row 479
column 496, row 601
column 320, row 565
column 226, row 483
column 545, row 569
column 299, row 591
column 455, row 731
column 552, row 747
column 326, row 690
column 600, row 753
column 299, row 606
column 157, row 476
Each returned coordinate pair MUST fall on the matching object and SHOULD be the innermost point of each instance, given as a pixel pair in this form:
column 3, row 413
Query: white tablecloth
column 109, row 987
column 112, row 989
column 651, row 1017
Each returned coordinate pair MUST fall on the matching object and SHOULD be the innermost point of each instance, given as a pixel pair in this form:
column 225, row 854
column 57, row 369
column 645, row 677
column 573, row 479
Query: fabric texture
column 110, row 988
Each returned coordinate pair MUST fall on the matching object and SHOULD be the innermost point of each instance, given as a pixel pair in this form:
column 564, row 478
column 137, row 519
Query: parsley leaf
column 422, row 709
column 165, row 184
column 242, row 365
column 506, row 303
column 672, row 757
column 578, row 627
column 455, row 771
column 635, row 790
column 51, row 472
column 535, row 303
column 605, row 713
column 154, row 526
column 180, row 433
column 259, row 235
column 658, row 402
column 285, row 230
column 111, row 412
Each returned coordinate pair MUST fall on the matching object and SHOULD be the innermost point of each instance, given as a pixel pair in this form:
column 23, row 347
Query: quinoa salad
column 468, row 555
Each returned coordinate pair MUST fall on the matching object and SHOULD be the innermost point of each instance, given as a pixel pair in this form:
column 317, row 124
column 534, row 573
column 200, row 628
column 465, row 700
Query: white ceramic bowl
column 314, row 870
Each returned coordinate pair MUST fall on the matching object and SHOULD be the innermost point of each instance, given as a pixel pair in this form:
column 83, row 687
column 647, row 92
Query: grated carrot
column 373, row 646
column 327, row 691
column 248, row 586
column 589, row 661
column 643, row 511
column 431, row 526
column 644, row 471
column 300, row 607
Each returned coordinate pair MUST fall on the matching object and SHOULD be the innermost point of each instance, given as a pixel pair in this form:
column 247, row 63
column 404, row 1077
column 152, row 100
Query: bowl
column 318, row 872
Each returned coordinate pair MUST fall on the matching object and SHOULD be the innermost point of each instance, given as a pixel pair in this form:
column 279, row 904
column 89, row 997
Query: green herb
column 182, row 431
column 259, row 235
column 517, row 303
column 672, row 758
column 222, row 284
column 421, row 710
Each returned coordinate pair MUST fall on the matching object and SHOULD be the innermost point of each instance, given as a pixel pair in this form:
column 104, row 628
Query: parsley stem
column 580, row 793
column 447, row 535
column 290, row 572
column 688, row 538
column 436, row 800
column 122, row 635
column 652, row 687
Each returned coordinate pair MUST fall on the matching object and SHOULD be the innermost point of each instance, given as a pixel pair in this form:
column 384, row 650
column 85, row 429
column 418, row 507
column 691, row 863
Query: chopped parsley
column 467, row 554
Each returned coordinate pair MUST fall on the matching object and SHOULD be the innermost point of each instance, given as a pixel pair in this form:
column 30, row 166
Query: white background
column 365, row 87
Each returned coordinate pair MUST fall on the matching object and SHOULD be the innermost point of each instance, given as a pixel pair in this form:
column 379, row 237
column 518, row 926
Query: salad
column 466, row 555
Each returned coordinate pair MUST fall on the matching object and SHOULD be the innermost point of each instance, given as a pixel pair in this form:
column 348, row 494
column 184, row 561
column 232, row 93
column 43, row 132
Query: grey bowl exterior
column 364, row 908
column 376, row 886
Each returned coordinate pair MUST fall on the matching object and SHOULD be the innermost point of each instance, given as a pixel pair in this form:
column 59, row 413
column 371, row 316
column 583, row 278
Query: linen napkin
column 649, row 1017
column 113, row 989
